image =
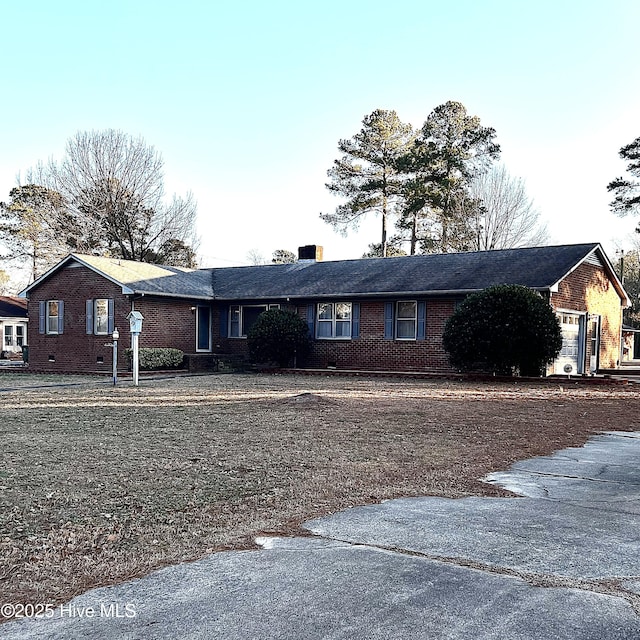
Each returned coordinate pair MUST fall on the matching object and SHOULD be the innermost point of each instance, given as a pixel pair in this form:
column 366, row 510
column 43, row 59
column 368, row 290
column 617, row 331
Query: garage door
column 568, row 362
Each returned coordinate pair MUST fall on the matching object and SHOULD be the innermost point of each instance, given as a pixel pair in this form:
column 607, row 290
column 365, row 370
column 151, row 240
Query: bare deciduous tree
column 4, row 282
column 114, row 187
column 504, row 217
column 255, row 257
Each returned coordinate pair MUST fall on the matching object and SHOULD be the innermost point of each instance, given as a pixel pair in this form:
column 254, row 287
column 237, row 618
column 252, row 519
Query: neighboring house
column 13, row 325
column 630, row 344
column 368, row 314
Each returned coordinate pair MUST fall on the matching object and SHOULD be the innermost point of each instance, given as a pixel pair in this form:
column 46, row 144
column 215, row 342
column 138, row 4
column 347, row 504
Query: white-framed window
column 8, row 335
column 243, row 316
column 53, row 316
column 406, row 320
column 19, row 335
column 334, row 320
column 101, row 317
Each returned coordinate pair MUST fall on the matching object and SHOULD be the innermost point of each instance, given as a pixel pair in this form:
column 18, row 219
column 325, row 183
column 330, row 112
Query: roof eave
column 162, row 294
column 380, row 294
column 71, row 257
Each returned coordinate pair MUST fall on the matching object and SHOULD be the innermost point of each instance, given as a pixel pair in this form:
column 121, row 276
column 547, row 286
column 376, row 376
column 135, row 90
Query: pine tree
column 449, row 150
column 627, row 192
column 367, row 175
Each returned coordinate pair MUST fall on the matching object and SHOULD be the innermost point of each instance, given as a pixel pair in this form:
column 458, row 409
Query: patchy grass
column 98, row 484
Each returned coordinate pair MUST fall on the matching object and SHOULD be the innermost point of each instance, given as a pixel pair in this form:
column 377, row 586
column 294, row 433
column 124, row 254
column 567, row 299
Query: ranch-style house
column 384, row 314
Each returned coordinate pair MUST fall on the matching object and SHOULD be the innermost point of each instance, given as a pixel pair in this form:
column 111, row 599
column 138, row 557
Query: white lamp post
column 115, row 335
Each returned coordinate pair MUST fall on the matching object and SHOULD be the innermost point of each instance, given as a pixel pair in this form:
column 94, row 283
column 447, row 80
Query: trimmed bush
column 506, row 330
column 156, row 358
column 277, row 336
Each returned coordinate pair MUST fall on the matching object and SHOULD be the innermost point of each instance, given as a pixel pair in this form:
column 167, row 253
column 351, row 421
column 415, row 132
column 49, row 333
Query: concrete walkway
column 561, row 563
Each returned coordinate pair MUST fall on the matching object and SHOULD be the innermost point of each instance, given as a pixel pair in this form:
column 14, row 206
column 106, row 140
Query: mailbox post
column 135, row 324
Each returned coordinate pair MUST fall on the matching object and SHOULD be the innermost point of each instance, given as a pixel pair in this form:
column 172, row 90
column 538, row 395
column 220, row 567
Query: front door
column 203, row 329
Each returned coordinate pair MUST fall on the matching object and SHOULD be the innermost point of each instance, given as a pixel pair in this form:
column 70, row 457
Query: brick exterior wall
column 171, row 322
column 588, row 289
column 370, row 351
column 167, row 323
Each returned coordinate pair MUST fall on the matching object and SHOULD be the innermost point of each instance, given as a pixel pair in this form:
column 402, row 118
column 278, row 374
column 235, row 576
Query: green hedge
column 157, row 358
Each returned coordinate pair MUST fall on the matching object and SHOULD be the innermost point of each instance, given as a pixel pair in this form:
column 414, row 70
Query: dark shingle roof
column 537, row 268
column 12, row 307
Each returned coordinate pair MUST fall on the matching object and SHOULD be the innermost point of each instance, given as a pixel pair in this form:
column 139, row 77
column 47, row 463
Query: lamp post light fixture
column 115, row 335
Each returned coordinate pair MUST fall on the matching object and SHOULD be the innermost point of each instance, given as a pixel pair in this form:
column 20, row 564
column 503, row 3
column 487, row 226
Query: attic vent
column 594, row 259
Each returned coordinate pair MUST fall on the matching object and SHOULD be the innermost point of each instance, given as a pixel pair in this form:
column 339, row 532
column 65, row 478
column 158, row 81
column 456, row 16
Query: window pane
column 101, row 316
column 249, row 317
column 52, row 316
column 325, row 311
column 406, row 310
column 8, row 336
column 234, row 324
column 343, row 328
column 406, row 329
column 324, row 329
column 19, row 335
column 343, row 311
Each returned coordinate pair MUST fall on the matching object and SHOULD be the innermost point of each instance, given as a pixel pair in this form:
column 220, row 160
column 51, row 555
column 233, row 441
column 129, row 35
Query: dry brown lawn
column 98, row 485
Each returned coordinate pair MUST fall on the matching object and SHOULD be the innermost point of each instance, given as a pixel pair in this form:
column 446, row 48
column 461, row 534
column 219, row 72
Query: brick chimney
column 310, row 252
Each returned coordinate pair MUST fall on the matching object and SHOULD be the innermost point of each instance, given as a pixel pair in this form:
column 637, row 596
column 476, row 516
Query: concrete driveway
column 561, row 563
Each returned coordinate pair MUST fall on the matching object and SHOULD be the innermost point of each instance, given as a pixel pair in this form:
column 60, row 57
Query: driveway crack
column 611, row 586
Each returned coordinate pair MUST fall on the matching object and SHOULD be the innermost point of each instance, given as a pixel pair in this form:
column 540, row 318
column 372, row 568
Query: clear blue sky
column 246, row 100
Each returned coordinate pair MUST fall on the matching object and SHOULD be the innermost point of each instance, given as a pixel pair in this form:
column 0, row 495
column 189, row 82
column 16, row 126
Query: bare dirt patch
column 98, row 484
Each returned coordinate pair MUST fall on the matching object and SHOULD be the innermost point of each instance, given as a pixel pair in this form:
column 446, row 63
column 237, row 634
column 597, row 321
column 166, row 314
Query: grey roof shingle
column 449, row 273
column 537, row 268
